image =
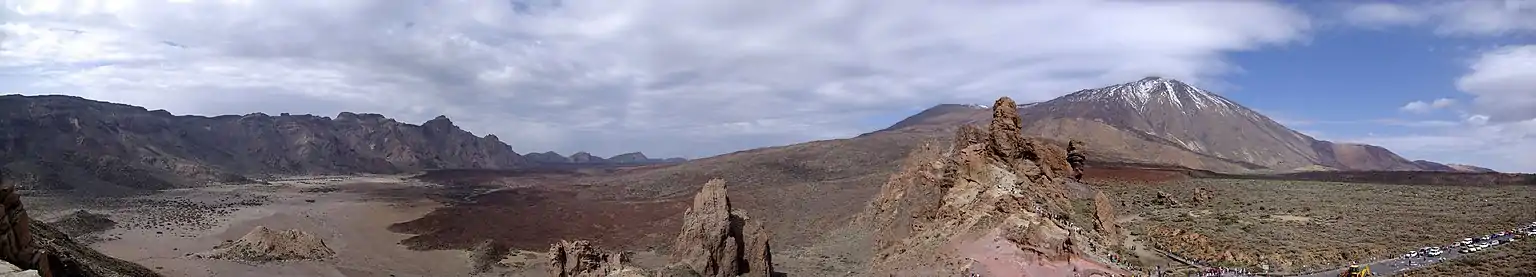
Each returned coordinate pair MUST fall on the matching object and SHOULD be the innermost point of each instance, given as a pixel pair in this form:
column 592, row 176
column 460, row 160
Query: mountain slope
column 1165, row 121
column 69, row 142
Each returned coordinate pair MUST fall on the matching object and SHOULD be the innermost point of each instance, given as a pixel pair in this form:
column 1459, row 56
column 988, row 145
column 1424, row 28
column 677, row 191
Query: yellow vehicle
column 1357, row 271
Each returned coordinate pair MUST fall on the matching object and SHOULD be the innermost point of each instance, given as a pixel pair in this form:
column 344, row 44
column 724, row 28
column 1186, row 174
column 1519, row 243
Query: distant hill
column 551, row 157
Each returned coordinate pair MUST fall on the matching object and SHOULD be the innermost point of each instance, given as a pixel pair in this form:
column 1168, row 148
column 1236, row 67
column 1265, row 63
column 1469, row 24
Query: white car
column 1435, row 252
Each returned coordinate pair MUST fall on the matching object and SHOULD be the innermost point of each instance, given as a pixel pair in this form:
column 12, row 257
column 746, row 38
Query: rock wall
column 63, row 142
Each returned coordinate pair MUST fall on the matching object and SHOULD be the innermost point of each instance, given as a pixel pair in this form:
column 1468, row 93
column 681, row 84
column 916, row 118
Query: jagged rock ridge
column 69, row 142
column 995, row 203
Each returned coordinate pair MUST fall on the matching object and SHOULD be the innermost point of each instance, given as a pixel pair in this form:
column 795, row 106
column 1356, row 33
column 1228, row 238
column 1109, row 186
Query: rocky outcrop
column 1104, row 216
column 10, row 270
column 994, row 204
column 64, row 142
column 16, row 239
column 717, row 241
column 35, row 246
column 1076, row 158
column 1201, row 196
column 263, row 244
column 580, row 259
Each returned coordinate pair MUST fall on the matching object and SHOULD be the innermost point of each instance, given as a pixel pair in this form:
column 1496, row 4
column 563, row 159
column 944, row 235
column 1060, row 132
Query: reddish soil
column 534, row 218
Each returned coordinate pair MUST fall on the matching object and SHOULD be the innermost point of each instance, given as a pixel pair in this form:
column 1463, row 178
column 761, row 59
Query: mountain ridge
column 64, row 142
column 1161, row 120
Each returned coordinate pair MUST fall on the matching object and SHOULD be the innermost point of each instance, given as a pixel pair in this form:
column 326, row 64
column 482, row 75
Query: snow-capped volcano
column 1166, row 121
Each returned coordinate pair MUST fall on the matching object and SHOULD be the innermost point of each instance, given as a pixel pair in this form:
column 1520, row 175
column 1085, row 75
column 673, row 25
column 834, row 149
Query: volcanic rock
column 1201, row 196
column 717, row 241
column 1104, row 216
column 263, row 244
column 10, row 270
column 580, row 259
column 995, row 204
column 1076, row 158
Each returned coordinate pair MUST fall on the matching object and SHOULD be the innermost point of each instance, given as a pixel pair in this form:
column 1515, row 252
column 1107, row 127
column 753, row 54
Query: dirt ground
column 1291, row 226
column 350, row 213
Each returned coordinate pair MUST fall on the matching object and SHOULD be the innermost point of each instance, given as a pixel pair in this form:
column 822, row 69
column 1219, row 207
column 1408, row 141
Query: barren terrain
column 350, row 214
column 1291, row 226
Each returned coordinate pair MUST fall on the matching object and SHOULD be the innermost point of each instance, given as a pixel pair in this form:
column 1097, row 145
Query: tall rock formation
column 717, row 241
column 64, row 142
column 994, row 204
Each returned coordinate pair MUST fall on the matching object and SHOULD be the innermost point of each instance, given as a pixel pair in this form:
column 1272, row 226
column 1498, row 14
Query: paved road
column 1397, row 265
column 1394, row 266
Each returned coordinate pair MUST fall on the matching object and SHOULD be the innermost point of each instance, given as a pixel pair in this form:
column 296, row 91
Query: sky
column 1446, row 81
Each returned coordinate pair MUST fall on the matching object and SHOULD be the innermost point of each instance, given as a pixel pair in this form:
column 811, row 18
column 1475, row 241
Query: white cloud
column 1383, row 15
column 1504, row 147
column 670, row 77
column 1504, row 83
column 1498, row 130
column 1425, row 107
column 1474, row 17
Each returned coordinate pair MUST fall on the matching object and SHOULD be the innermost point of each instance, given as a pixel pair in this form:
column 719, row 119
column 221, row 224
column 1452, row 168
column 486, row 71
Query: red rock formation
column 995, row 204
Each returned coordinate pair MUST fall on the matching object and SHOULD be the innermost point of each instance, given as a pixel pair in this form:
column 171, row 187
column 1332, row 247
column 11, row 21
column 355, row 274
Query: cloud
column 1382, row 15
column 1452, row 18
column 1503, row 82
column 1425, row 107
column 1504, row 147
column 669, row 77
column 1497, row 130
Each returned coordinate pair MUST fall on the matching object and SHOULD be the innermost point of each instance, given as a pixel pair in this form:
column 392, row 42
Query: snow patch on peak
column 977, row 106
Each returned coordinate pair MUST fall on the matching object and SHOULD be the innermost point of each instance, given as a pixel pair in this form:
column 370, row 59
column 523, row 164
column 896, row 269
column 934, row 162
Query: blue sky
column 1448, row 81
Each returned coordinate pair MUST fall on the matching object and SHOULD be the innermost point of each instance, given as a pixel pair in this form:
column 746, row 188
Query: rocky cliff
column 63, row 142
column 993, row 203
